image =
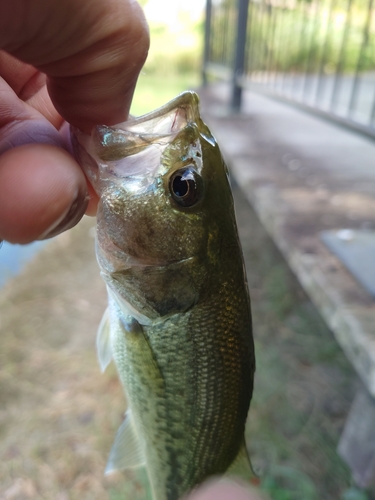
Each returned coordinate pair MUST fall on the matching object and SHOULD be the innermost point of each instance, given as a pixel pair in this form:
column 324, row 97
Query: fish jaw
column 132, row 150
column 129, row 166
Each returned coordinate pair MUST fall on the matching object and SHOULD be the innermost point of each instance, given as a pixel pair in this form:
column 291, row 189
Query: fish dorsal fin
column 126, row 451
column 241, row 465
column 103, row 341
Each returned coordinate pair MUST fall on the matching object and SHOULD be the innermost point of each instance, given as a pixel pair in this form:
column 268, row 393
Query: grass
column 155, row 90
column 173, row 64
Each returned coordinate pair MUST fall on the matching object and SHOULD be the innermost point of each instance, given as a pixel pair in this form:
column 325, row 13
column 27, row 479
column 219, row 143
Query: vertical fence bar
column 220, row 29
column 229, row 36
column 250, row 62
column 267, row 38
column 207, row 41
column 289, row 42
column 312, row 48
column 324, row 56
column 263, row 39
column 298, row 77
column 341, row 62
column 365, row 39
column 239, row 62
column 258, row 48
column 224, row 33
column 372, row 117
column 248, row 69
column 278, row 67
column 271, row 42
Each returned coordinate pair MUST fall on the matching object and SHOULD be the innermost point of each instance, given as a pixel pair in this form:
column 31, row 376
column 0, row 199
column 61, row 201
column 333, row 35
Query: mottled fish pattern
column 178, row 324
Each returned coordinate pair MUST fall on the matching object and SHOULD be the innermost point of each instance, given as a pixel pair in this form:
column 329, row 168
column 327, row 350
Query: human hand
column 226, row 490
column 61, row 60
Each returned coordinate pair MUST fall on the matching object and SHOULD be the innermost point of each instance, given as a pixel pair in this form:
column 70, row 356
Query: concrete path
column 309, row 181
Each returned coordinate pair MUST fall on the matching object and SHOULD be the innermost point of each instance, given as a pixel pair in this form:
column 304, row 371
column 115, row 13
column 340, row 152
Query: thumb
column 225, row 490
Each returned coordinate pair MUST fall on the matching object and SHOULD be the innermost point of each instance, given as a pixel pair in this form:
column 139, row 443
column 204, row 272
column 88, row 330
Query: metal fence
column 319, row 54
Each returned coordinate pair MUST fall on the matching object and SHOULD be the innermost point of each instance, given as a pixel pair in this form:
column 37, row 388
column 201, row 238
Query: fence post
column 239, row 57
column 207, row 41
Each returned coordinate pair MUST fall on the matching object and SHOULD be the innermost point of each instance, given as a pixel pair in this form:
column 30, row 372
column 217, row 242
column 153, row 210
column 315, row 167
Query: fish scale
column 179, row 322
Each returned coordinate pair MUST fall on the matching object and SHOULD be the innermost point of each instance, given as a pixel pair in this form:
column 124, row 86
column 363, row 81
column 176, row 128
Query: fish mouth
column 132, row 150
column 164, row 121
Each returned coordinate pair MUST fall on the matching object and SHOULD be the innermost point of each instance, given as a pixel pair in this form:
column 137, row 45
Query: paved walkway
column 309, row 181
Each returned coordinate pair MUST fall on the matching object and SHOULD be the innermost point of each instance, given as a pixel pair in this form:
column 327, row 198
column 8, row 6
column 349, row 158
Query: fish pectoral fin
column 241, row 466
column 127, row 450
column 103, row 341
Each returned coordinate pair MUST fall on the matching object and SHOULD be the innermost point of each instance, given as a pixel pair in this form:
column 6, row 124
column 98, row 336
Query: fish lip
column 160, row 126
column 107, row 153
column 188, row 100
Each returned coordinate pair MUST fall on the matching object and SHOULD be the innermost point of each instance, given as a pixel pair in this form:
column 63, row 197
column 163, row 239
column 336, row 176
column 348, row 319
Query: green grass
column 154, row 90
column 173, row 64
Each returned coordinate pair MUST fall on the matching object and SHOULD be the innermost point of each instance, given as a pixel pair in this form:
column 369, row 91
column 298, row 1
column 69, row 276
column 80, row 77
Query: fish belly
column 188, row 382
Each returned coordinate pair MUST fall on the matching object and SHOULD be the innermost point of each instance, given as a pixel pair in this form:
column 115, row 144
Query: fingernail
column 69, row 219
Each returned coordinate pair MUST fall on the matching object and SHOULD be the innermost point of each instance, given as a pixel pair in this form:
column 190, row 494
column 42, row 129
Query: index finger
column 92, row 52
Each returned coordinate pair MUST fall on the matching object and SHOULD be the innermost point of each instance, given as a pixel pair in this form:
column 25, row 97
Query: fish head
column 163, row 190
column 161, row 182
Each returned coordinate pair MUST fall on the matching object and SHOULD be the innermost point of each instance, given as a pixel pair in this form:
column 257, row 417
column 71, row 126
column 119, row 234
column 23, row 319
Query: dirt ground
column 59, row 414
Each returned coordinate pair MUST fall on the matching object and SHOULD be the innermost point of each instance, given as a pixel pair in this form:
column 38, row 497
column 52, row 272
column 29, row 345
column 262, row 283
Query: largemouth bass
column 178, row 325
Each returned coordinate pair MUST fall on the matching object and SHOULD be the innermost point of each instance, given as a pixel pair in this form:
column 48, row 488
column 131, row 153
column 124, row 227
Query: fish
column 178, row 324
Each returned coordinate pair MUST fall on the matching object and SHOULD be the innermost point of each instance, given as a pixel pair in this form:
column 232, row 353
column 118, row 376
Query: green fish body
column 178, row 325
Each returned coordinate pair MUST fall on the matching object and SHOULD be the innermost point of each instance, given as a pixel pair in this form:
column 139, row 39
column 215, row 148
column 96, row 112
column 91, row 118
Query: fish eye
column 185, row 186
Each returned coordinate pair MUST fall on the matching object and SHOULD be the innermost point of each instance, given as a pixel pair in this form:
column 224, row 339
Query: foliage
column 287, row 483
column 176, row 44
column 354, row 494
column 304, row 35
column 154, row 90
column 174, row 60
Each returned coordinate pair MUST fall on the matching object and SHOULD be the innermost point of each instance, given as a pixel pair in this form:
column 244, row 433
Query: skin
column 60, row 61
column 224, row 490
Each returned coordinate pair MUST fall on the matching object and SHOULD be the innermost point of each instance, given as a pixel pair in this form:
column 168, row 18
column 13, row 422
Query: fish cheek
column 120, row 222
column 141, row 226
column 164, row 290
column 113, row 232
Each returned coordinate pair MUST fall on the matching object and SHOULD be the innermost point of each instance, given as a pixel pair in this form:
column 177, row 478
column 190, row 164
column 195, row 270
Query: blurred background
column 168, row 72
column 288, row 89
